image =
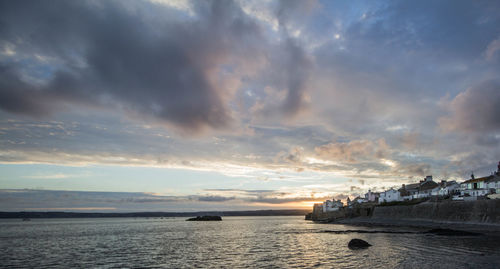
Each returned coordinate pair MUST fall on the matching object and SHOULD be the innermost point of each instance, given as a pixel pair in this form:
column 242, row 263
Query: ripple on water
column 236, row 242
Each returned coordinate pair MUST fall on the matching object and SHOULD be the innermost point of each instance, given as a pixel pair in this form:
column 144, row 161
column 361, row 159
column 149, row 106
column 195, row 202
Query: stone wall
column 481, row 211
column 359, row 211
column 318, row 215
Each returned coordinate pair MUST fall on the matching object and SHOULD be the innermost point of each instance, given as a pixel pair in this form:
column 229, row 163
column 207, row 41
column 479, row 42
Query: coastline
column 476, row 216
column 62, row 214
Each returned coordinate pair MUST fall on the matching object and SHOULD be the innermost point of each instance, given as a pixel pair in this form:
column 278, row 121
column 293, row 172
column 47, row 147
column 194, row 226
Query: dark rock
column 450, row 232
column 358, row 244
column 205, row 218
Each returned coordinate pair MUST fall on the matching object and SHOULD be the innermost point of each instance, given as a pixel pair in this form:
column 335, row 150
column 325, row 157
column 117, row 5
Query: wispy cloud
column 50, row 176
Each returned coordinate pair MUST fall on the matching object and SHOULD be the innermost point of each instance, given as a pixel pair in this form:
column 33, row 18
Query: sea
column 235, row 242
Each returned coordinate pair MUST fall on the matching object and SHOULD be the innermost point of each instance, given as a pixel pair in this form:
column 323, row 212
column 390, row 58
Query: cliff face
column 482, row 211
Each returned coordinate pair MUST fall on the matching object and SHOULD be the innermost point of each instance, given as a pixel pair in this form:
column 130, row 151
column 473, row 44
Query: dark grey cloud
column 476, row 110
column 145, row 59
column 51, row 200
column 215, row 198
column 17, row 96
column 297, row 64
column 290, row 66
column 297, row 68
column 413, row 169
column 355, row 189
column 155, row 68
column 149, row 200
column 341, row 197
column 278, row 200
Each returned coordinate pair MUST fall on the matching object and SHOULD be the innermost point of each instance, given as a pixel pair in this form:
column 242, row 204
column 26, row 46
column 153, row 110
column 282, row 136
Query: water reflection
column 236, row 242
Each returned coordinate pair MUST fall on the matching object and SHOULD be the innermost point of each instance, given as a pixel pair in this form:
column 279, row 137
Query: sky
column 120, row 106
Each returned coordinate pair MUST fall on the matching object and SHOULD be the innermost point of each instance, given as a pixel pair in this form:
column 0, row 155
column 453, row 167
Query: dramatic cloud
column 476, row 109
column 169, row 70
column 219, row 103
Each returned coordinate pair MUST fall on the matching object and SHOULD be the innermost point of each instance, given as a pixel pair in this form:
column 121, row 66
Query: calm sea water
column 236, row 242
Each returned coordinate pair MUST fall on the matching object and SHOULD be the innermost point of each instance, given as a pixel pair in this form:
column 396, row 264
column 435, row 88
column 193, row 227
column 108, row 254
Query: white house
column 359, row 200
column 445, row 188
column 449, row 188
column 356, row 201
column 330, row 205
column 474, row 187
column 477, row 187
column 390, row 195
column 422, row 189
column 371, row 196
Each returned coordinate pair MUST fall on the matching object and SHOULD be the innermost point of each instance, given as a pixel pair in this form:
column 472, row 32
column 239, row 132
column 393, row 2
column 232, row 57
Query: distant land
column 36, row 214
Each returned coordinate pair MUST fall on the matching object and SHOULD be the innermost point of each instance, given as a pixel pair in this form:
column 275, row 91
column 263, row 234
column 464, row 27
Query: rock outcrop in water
column 205, row 218
column 358, row 244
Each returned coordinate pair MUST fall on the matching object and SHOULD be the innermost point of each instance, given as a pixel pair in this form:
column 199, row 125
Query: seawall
column 342, row 213
column 328, row 216
column 479, row 216
column 481, row 211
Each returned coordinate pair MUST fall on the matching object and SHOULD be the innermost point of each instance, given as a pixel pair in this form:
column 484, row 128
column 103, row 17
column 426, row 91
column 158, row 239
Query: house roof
column 475, row 180
column 428, row 185
column 421, row 186
column 449, row 183
column 389, row 190
column 412, row 186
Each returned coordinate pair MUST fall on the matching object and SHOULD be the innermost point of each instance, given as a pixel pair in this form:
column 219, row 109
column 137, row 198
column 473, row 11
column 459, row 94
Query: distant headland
column 34, row 214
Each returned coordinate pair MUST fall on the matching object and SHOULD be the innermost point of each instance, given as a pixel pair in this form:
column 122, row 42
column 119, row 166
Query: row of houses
column 471, row 189
column 423, row 189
